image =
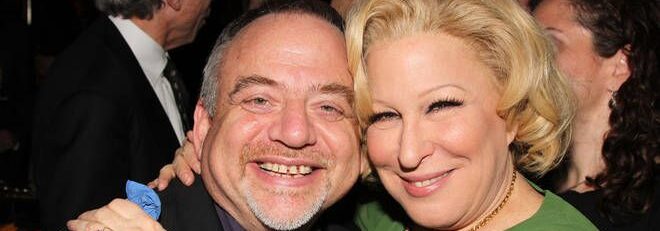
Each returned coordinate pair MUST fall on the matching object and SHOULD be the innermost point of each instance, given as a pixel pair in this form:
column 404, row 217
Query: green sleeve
column 371, row 216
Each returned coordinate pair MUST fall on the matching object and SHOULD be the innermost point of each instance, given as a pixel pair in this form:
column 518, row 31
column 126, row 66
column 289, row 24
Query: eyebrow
column 440, row 87
column 338, row 89
column 257, row 80
column 553, row 29
column 248, row 81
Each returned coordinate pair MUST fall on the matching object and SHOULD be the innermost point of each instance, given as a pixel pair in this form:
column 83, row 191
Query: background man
column 274, row 128
column 113, row 107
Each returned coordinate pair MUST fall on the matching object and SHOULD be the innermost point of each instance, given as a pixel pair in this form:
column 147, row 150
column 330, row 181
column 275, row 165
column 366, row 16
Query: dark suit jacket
column 192, row 208
column 98, row 123
column 188, row 208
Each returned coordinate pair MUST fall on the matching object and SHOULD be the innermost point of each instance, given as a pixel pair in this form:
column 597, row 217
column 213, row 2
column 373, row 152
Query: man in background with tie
column 113, row 106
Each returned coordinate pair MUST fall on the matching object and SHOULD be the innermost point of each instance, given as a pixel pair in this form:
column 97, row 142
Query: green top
column 554, row 214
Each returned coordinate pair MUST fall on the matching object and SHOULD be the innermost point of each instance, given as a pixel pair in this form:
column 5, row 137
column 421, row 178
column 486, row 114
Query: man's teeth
column 428, row 182
column 286, row 169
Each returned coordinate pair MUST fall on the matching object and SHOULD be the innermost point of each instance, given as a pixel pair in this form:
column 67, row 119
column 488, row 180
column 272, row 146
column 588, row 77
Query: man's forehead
column 278, row 30
column 288, row 48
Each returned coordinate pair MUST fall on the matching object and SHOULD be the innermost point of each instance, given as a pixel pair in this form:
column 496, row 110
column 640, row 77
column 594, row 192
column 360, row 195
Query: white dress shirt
column 152, row 59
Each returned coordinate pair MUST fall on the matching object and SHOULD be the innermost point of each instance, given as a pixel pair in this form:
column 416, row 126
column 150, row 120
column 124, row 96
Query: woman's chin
column 432, row 216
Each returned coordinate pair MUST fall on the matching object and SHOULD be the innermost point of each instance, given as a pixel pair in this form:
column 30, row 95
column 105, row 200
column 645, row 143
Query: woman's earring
column 612, row 102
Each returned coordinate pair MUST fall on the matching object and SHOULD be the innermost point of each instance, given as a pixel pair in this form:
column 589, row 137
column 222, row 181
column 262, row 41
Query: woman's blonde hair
column 534, row 95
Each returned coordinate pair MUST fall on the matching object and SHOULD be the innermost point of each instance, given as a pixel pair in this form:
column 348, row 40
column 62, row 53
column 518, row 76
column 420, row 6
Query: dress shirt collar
column 150, row 55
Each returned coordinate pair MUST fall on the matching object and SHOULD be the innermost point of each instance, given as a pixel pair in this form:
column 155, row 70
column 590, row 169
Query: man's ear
column 619, row 70
column 174, row 4
column 200, row 128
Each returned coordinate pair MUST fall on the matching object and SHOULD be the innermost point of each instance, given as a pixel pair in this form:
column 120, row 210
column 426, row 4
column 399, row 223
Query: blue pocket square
column 145, row 197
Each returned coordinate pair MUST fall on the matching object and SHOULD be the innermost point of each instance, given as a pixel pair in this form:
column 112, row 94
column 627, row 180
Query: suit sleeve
column 81, row 164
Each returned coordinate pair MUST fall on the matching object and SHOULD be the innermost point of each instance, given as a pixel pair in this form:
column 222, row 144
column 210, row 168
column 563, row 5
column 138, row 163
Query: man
column 113, row 107
column 274, row 129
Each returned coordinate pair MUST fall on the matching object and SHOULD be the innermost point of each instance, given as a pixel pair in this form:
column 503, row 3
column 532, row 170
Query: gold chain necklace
column 490, row 216
column 483, row 222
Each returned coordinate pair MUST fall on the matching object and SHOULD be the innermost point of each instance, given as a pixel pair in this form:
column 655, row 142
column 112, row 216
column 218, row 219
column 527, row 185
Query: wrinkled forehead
column 288, row 45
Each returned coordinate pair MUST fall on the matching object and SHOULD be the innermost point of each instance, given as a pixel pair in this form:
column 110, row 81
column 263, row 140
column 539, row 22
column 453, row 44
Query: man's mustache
column 255, row 152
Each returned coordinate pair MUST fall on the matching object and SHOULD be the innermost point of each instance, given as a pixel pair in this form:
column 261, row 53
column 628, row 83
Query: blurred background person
column 34, row 32
column 113, row 106
column 609, row 51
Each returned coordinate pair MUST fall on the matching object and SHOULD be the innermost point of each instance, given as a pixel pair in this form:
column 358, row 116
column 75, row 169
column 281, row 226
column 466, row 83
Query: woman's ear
column 174, row 4
column 201, row 127
column 619, row 68
column 511, row 131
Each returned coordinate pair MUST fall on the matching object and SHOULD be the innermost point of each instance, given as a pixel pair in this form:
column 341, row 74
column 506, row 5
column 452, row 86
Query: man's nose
column 294, row 127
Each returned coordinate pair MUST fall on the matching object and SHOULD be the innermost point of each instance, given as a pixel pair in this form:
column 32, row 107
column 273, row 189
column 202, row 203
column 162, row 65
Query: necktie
column 180, row 93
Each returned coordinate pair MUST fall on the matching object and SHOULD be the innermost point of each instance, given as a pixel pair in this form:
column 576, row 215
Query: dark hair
column 143, row 9
column 314, row 8
column 631, row 144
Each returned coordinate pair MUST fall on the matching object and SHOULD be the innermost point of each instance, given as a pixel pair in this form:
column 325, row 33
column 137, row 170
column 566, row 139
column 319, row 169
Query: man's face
column 283, row 144
column 189, row 19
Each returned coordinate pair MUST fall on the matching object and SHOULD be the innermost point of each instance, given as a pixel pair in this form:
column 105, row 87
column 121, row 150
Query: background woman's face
column 575, row 53
column 436, row 140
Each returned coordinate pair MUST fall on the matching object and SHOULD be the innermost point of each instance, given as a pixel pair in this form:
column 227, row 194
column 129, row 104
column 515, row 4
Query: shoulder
column 555, row 214
column 98, row 57
column 98, row 62
column 587, row 203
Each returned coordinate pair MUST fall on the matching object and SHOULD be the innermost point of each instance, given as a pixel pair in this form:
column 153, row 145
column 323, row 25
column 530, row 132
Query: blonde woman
column 454, row 98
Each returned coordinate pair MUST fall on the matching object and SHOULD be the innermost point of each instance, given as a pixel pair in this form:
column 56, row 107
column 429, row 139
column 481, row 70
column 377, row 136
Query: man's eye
column 443, row 104
column 258, row 101
column 331, row 113
column 257, row 105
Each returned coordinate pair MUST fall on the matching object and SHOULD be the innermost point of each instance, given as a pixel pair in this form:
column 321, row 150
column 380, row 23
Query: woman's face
column 576, row 56
column 436, row 141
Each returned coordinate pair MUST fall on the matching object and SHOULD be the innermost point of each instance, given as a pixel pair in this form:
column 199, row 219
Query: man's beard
column 285, row 217
column 266, row 216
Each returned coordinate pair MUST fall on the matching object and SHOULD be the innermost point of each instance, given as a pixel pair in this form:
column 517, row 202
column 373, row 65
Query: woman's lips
column 424, row 186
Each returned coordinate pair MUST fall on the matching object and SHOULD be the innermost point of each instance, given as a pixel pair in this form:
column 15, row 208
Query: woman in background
column 609, row 51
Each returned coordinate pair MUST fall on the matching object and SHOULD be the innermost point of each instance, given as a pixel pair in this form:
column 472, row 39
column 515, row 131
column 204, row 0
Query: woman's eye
column 382, row 117
column 443, row 104
column 384, row 120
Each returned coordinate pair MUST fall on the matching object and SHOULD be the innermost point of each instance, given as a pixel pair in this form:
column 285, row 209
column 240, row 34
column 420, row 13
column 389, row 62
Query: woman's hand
column 185, row 162
column 120, row 214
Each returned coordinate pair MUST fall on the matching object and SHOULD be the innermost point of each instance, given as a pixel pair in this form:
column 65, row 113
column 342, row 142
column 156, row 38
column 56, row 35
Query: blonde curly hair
column 535, row 97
